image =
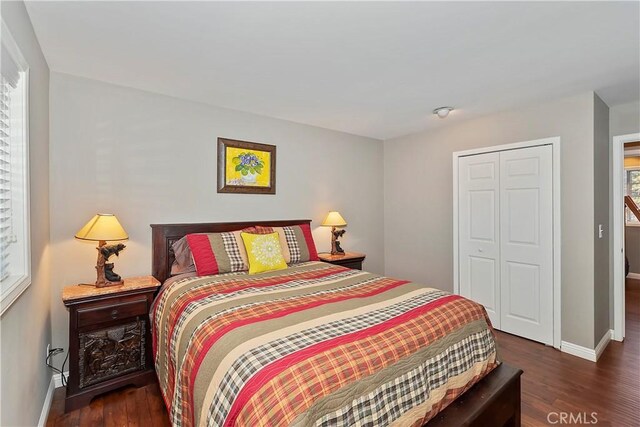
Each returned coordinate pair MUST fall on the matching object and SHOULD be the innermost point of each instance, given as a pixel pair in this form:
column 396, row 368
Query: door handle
column 480, row 250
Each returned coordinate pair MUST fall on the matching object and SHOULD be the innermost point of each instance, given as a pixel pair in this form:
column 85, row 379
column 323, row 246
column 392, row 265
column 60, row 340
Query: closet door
column 526, row 243
column 479, row 231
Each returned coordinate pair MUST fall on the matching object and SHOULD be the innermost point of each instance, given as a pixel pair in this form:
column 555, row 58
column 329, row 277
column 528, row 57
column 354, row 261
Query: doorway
column 619, row 222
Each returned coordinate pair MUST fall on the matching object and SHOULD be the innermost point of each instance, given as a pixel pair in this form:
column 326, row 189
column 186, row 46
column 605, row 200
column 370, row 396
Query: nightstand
column 109, row 338
column 349, row 259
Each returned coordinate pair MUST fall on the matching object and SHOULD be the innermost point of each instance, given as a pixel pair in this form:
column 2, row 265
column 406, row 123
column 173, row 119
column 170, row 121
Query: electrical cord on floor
column 53, row 352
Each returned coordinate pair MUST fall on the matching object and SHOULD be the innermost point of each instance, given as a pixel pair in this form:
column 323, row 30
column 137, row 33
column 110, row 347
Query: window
column 632, row 188
column 15, row 254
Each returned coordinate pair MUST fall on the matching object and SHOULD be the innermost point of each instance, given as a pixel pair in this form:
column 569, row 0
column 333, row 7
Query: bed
column 319, row 344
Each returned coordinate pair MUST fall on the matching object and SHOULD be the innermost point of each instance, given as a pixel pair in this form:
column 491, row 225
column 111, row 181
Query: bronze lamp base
column 104, row 270
column 335, row 244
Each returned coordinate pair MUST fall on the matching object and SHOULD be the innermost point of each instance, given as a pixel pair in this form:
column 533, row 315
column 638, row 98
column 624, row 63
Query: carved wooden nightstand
column 109, row 338
column 349, row 259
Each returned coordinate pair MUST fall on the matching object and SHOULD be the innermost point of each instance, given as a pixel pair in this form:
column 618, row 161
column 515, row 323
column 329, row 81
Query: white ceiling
column 374, row 69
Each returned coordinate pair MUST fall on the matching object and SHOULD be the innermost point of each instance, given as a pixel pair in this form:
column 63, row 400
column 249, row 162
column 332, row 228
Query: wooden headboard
column 164, row 235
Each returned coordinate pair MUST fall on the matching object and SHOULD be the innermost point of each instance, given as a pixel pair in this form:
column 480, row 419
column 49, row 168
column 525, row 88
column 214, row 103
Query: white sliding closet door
column 505, row 238
column 526, row 244
column 479, row 231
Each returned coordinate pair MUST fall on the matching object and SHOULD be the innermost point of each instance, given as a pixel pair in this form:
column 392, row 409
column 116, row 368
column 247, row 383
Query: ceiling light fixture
column 442, row 112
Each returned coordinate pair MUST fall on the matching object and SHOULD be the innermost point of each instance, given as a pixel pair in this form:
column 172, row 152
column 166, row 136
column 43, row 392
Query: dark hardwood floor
column 558, row 382
column 553, row 382
column 129, row 407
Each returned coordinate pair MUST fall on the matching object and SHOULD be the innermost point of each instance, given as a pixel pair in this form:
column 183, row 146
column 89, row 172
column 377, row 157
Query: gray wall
column 25, row 328
column 601, row 208
column 152, row 159
column 418, row 199
column 624, row 119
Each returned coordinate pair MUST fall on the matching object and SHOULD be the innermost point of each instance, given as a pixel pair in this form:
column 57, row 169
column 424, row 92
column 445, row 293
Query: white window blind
column 15, row 251
column 5, row 172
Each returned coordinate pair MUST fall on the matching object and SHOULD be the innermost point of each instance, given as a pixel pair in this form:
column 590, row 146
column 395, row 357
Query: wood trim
column 631, row 204
column 164, row 235
column 223, row 143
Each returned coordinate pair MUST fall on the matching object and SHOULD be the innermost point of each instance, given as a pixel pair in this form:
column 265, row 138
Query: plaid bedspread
column 315, row 344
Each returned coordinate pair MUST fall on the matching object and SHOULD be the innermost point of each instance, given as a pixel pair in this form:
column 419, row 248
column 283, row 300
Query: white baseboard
column 604, row 342
column 587, row 353
column 58, row 379
column 578, row 350
column 633, row 276
column 47, row 404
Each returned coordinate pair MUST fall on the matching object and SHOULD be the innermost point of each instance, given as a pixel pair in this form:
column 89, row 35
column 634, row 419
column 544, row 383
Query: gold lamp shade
column 334, row 219
column 101, row 228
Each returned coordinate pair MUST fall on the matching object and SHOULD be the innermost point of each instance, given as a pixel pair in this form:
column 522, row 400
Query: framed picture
column 246, row 167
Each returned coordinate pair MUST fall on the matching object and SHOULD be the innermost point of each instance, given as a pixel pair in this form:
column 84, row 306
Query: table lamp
column 334, row 220
column 101, row 228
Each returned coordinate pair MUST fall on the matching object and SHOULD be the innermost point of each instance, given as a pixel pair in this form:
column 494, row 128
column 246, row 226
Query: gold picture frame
column 246, row 167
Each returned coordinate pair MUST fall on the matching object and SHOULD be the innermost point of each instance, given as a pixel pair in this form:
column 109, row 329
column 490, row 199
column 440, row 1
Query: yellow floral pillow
column 264, row 252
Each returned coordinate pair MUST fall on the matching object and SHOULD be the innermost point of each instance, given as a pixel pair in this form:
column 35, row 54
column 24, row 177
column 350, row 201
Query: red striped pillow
column 215, row 253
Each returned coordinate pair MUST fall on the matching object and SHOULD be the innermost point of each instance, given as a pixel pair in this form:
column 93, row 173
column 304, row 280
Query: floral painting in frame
column 246, row 167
